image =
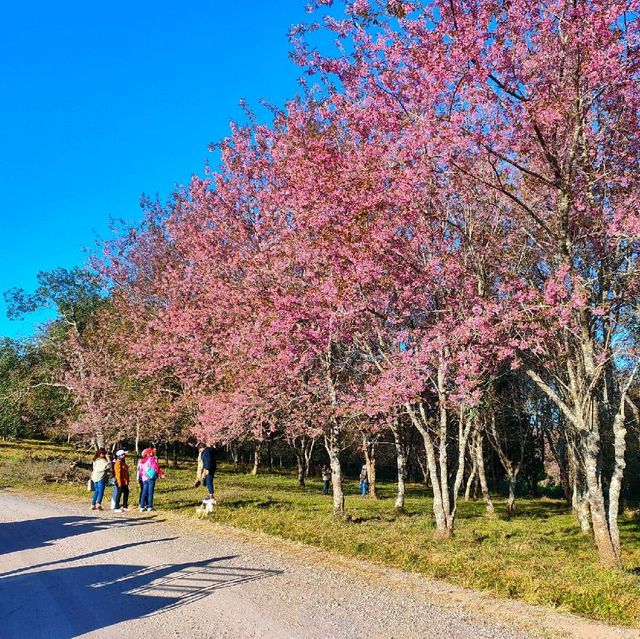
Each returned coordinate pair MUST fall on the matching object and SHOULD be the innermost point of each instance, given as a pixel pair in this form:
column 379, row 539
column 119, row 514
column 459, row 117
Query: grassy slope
column 539, row 556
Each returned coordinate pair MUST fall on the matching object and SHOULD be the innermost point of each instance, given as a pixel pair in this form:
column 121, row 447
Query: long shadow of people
column 71, row 601
column 35, row 533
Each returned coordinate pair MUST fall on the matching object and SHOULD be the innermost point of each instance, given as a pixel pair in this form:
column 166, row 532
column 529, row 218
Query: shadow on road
column 67, row 602
column 89, row 555
column 34, row 533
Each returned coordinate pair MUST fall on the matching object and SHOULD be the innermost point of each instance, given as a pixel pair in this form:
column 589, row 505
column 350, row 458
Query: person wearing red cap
column 148, row 472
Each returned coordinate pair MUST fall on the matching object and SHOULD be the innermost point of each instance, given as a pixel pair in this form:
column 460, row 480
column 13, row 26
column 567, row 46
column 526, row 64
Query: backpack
column 150, row 471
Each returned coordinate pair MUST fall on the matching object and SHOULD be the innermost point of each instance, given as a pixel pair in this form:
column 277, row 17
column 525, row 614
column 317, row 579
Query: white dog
column 206, row 507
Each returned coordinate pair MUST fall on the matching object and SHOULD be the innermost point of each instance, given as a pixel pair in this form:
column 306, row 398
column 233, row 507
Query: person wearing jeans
column 99, row 477
column 207, row 460
column 148, row 472
column 98, row 494
column 364, row 481
column 146, row 498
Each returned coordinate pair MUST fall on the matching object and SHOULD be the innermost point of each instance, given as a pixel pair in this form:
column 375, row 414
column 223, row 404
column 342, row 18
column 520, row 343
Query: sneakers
column 142, row 510
column 99, row 507
column 93, row 506
column 151, row 510
column 118, row 510
column 124, row 509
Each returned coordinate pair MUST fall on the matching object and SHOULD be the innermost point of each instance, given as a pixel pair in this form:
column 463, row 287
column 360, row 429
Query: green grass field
column 539, row 556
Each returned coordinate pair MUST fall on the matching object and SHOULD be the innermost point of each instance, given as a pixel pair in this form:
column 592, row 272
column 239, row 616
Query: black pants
column 122, row 491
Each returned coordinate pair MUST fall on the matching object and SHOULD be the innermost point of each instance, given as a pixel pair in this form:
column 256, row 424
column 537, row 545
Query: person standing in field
column 207, row 468
column 121, row 472
column 326, row 479
column 148, row 472
column 364, row 480
column 101, row 464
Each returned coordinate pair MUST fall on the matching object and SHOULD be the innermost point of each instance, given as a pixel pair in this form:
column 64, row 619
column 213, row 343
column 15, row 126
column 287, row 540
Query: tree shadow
column 629, row 526
column 253, row 502
column 16, row 536
column 535, row 509
column 176, row 489
column 72, row 601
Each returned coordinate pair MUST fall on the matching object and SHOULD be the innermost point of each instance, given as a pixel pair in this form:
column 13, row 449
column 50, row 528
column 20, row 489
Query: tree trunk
column 369, row 449
column 599, row 521
column 424, row 469
column 308, row 453
column 137, row 440
column 512, row 475
column 400, row 462
column 619, row 446
column 175, row 455
column 479, row 454
column 301, row 469
column 472, row 481
column 465, row 425
column 443, row 457
column 580, row 505
column 256, row 458
column 438, row 508
column 579, row 491
column 332, row 443
column 234, row 449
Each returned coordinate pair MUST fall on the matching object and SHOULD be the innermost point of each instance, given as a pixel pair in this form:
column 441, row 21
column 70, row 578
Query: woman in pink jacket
column 148, row 472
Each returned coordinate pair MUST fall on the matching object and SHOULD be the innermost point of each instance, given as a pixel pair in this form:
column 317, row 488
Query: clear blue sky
column 104, row 101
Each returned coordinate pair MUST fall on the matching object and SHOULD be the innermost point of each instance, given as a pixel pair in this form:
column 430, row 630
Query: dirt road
column 67, row 572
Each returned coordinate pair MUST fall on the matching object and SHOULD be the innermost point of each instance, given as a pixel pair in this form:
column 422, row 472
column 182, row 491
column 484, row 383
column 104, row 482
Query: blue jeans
column 208, row 482
column 98, row 491
column 146, row 496
column 364, row 485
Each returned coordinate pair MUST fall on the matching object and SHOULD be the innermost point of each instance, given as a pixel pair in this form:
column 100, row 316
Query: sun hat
column 121, row 453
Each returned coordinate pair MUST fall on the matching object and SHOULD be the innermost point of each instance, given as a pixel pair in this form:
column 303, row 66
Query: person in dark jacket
column 208, row 461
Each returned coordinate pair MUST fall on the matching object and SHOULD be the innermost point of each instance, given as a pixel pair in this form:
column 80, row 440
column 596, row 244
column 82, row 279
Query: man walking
column 207, row 461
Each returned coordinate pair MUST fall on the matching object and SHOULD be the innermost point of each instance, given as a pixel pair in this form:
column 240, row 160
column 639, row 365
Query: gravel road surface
column 66, row 571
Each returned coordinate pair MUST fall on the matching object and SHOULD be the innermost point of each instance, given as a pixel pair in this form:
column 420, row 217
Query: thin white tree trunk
column 479, row 453
column 401, row 464
column 615, row 486
column 420, row 423
column 333, row 445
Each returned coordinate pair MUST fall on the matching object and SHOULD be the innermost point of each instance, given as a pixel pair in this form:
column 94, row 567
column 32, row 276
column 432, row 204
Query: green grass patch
column 539, row 556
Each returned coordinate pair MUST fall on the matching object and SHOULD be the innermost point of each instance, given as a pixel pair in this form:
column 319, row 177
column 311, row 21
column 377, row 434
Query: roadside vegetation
column 538, row 556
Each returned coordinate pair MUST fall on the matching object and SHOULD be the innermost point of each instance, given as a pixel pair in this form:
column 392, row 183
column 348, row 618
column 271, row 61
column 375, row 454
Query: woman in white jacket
column 101, row 465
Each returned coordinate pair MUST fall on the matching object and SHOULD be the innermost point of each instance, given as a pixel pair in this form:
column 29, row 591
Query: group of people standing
column 148, row 471
column 116, row 471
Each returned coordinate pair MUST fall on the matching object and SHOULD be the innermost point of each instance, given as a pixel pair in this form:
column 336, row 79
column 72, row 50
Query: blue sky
column 104, row 101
